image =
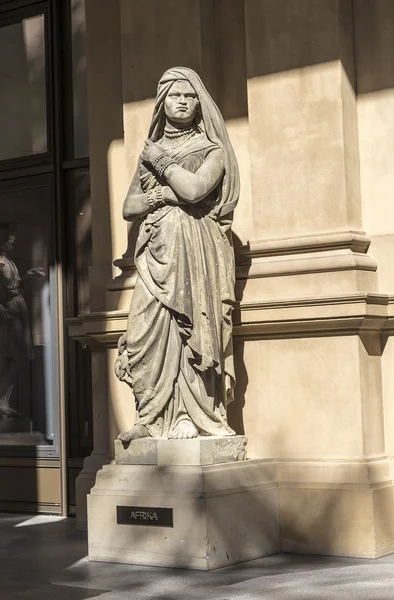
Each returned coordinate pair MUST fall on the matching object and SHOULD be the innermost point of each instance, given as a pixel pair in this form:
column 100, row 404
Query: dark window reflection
column 80, row 102
column 26, row 331
column 23, row 105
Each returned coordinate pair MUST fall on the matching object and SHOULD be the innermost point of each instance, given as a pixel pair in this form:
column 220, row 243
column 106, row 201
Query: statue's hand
column 151, row 151
column 122, row 367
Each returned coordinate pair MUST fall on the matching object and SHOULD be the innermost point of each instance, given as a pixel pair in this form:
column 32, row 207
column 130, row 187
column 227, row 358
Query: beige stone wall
column 104, row 87
column 301, row 113
column 305, row 88
column 293, row 408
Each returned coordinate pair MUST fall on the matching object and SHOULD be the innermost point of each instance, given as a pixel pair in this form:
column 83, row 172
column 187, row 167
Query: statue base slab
column 197, row 517
column 196, row 451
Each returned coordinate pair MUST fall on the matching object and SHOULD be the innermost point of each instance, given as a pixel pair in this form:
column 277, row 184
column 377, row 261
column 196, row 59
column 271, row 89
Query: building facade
column 306, row 89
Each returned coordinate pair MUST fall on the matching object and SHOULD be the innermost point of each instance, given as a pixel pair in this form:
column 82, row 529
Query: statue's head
column 182, row 98
column 7, row 237
column 181, row 103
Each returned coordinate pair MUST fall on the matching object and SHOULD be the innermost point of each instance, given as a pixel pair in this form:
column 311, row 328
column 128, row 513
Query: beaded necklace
column 186, row 135
column 176, row 133
column 182, row 142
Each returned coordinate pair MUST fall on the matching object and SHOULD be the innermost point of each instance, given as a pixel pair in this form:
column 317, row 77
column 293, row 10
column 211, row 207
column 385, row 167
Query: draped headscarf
column 210, row 121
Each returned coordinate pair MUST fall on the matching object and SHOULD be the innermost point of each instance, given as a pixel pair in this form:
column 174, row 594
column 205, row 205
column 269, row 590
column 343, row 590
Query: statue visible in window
column 16, row 345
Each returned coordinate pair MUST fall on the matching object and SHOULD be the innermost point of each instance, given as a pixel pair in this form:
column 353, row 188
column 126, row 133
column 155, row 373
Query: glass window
column 28, row 344
column 23, row 122
column 80, row 103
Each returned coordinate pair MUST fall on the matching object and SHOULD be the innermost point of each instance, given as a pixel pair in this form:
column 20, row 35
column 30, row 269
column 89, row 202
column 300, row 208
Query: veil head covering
column 6, row 231
column 210, row 121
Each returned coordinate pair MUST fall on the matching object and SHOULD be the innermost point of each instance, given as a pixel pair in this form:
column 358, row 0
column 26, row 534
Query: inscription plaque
column 144, row 515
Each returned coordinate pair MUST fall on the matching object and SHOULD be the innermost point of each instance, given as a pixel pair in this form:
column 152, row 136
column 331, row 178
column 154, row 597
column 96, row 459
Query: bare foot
column 135, row 433
column 185, row 430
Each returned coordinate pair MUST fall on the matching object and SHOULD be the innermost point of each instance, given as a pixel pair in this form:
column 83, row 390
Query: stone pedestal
column 199, row 517
column 197, row 451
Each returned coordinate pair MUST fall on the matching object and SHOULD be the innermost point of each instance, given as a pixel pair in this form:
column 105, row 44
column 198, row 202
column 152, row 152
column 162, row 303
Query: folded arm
column 183, row 187
column 194, row 187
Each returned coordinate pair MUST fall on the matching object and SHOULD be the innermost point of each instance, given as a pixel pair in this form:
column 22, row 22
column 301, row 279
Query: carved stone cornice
column 314, row 254
column 318, row 262
column 356, row 241
column 351, row 314
column 327, row 252
column 98, row 330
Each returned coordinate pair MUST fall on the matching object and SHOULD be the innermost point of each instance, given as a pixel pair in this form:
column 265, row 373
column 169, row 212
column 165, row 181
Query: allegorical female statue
column 177, row 351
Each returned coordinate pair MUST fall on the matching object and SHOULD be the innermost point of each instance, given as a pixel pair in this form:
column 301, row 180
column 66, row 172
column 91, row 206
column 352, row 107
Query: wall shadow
column 374, row 28
column 291, row 34
column 235, row 408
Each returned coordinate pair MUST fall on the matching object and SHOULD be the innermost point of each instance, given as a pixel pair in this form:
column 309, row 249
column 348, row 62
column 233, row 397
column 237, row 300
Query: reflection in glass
column 26, row 334
column 23, row 123
column 80, row 101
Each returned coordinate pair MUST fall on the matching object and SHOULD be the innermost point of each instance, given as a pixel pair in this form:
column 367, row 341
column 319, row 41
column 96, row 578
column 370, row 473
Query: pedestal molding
column 344, row 473
column 338, row 475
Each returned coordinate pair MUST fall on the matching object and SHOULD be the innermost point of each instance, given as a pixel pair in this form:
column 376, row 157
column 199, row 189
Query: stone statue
column 177, row 352
column 16, row 347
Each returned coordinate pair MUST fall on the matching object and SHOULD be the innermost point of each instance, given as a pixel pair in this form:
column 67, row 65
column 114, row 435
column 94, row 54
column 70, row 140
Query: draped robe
column 177, row 351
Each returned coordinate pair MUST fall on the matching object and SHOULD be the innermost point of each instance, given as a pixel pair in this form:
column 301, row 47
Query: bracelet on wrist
column 159, row 195
column 155, row 197
column 150, row 196
column 161, row 163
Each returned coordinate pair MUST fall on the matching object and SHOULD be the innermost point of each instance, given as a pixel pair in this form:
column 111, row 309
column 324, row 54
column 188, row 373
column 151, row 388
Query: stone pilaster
column 105, row 138
column 310, row 325
column 304, row 153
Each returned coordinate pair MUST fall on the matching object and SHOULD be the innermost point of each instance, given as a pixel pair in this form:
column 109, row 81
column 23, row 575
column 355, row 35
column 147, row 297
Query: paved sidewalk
column 44, row 558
